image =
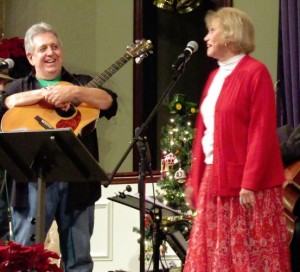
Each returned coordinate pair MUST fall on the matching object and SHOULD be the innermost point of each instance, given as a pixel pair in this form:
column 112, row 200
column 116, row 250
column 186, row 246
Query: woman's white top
column 207, row 108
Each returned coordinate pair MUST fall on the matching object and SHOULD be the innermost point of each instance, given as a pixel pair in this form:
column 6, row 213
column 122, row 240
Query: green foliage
column 177, row 139
column 176, row 144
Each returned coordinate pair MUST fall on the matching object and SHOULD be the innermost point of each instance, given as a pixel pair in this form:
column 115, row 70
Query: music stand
column 47, row 156
column 157, row 211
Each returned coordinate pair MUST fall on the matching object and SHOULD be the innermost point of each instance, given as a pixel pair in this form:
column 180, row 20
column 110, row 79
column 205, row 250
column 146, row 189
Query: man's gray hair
column 34, row 30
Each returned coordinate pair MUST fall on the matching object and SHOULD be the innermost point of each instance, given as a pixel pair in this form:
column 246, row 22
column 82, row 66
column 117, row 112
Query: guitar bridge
column 43, row 122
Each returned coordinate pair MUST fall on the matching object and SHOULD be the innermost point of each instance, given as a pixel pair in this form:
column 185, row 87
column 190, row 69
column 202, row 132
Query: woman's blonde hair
column 238, row 29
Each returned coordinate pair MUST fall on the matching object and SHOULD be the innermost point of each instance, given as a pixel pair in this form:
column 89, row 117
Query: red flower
column 12, row 47
column 15, row 257
column 148, row 220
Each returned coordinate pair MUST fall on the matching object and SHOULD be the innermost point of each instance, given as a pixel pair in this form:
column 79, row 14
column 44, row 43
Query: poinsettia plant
column 12, row 47
column 15, row 257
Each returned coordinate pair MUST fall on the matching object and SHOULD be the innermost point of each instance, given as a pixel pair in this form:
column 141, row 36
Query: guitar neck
column 109, row 72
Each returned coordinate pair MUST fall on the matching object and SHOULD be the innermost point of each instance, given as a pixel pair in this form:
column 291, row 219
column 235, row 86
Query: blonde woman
column 235, row 182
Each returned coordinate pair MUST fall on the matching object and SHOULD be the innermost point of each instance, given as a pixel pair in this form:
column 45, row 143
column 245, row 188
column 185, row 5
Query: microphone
column 6, row 64
column 183, row 58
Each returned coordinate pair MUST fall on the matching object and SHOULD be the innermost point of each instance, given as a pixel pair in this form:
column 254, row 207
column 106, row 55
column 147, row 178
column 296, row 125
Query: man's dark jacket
column 81, row 194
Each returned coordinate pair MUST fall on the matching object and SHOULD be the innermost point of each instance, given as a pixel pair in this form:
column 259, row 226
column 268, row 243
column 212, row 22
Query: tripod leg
column 4, row 220
column 157, row 237
column 40, row 237
column 5, row 213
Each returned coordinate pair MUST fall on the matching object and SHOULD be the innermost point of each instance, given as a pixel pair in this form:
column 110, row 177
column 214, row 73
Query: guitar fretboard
column 100, row 79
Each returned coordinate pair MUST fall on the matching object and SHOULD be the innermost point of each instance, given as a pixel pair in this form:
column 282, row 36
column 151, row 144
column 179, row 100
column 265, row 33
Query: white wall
column 114, row 244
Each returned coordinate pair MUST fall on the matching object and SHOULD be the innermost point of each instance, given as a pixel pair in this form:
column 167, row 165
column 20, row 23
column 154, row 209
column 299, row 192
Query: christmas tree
column 176, row 144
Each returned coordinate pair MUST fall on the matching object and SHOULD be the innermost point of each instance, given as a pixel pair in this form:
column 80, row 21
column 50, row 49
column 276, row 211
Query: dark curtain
column 288, row 89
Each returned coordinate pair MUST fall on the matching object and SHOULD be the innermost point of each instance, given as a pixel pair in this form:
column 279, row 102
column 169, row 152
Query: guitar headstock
column 140, row 49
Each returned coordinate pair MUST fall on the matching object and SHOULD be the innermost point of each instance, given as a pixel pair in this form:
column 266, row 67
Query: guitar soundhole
column 66, row 114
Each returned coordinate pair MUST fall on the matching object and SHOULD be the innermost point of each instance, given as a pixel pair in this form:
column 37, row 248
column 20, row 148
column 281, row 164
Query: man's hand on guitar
column 60, row 96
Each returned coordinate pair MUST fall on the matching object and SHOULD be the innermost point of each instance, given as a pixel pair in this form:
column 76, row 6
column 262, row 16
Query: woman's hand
column 188, row 191
column 247, row 199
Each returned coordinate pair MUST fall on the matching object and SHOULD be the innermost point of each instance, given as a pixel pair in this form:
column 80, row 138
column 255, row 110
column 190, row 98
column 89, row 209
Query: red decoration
column 15, row 257
column 170, row 159
column 12, row 47
column 148, row 221
column 164, row 168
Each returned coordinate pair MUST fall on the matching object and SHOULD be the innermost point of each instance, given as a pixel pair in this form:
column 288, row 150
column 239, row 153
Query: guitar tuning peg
column 139, row 59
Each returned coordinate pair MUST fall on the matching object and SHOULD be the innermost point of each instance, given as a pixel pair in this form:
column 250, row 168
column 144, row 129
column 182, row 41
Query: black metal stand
column 158, row 236
column 157, row 212
column 142, row 165
column 47, row 156
column 5, row 213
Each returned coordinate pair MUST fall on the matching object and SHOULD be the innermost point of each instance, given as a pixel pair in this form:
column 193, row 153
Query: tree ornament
column 180, row 6
column 164, row 168
column 170, row 159
column 180, row 175
column 176, row 106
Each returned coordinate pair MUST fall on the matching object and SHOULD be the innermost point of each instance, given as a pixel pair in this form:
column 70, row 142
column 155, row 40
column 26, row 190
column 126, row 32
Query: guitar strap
column 79, row 83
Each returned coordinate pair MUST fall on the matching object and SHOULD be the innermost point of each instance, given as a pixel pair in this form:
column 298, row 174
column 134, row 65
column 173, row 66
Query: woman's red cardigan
column 246, row 146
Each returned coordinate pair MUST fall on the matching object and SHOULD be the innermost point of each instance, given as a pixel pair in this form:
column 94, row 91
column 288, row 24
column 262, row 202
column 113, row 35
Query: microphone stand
column 143, row 160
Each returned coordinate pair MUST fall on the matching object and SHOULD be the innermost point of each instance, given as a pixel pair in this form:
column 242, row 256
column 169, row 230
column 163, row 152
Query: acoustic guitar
column 81, row 117
column 291, row 197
